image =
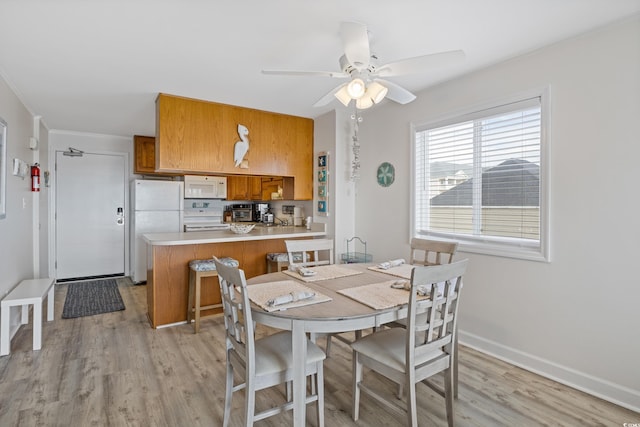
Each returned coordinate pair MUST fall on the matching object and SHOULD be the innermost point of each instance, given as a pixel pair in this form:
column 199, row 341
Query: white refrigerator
column 157, row 207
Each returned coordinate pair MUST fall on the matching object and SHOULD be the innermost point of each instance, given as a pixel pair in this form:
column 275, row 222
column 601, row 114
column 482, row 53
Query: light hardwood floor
column 114, row 370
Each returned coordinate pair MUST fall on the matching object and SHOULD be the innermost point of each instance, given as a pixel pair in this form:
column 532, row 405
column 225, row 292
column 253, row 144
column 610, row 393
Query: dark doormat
column 89, row 298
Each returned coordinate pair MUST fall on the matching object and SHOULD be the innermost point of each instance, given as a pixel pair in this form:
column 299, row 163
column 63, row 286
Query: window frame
column 493, row 245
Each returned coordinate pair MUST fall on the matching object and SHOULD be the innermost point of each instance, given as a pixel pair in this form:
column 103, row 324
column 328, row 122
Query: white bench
column 30, row 291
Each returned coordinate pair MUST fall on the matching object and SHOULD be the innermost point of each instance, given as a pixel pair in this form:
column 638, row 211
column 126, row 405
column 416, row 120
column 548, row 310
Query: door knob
column 120, row 215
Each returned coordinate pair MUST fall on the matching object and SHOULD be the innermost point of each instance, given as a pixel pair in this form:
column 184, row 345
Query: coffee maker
column 261, row 211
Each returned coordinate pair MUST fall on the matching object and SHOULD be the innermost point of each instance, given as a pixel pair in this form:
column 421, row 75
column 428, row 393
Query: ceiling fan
column 366, row 85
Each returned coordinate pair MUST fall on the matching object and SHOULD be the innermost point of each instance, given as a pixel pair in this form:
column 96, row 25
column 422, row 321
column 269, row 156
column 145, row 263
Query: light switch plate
column 20, row 168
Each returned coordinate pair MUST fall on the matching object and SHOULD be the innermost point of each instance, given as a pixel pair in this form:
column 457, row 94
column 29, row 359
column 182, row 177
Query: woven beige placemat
column 261, row 293
column 403, row 270
column 379, row 295
column 324, row 272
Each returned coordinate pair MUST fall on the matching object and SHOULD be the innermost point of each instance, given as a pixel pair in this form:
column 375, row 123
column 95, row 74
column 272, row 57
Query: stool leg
column 282, row 264
column 197, row 303
column 190, row 298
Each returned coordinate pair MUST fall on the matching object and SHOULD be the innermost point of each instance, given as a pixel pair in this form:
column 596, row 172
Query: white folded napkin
column 401, row 284
column 306, row 272
column 290, row 297
column 392, row 263
column 300, row 269
column 422, row 290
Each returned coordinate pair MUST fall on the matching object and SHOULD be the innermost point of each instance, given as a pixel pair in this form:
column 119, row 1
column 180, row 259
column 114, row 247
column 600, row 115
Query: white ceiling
column 97, row 66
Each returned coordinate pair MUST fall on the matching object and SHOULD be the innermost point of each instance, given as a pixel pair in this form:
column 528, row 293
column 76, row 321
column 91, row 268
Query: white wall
column 332, row 133
column 41, row 223
column 576, row 318
column 16, row 235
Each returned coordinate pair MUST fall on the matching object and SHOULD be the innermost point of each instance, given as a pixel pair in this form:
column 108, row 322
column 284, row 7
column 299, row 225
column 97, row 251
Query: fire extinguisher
column 35, row 177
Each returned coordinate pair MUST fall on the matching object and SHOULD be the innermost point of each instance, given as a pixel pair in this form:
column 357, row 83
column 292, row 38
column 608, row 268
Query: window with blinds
column 478, row 180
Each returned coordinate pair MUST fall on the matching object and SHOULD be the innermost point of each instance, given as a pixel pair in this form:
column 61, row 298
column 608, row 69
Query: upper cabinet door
column 144, row 154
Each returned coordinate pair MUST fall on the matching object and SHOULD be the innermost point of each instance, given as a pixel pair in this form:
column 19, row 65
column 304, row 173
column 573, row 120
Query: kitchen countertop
column 224, row 236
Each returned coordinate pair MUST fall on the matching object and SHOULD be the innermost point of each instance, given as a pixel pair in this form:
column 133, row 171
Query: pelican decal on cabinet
column 241, row 148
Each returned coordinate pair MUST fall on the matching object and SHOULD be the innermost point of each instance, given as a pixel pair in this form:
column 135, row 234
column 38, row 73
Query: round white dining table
column 340, row 314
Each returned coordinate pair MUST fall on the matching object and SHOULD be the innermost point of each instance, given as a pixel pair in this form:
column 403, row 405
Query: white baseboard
column 168, row 325
column 606, row 390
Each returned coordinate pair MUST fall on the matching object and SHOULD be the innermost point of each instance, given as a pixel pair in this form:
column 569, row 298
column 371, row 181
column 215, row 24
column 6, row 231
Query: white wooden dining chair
column 321, row 251
column 261, row 363
column 432, row 252
column 425, row 348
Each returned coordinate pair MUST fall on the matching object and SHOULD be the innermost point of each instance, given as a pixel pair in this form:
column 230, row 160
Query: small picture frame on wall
column 322, row 173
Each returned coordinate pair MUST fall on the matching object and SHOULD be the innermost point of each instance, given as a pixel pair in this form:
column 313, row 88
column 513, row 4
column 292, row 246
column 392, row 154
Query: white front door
column 90, row 215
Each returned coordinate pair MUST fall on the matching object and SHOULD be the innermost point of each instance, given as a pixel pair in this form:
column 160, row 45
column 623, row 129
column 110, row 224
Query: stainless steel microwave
column 205, row 187
column 242, row 213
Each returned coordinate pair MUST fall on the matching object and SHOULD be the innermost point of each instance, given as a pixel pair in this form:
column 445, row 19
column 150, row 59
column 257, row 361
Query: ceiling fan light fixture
column 343, row 95
column 376, row 92
column 364, row 103
column 356, row 88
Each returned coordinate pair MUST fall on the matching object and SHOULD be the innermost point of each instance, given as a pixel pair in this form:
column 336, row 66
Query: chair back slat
column 434, row 252
column 321, row 249
column 431, row 347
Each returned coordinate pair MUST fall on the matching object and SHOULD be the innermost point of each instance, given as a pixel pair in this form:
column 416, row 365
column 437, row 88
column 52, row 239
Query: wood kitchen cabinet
column 144, row 154
column 255, row 188
column 198, row 137
column 244, row 188
column 274, row 184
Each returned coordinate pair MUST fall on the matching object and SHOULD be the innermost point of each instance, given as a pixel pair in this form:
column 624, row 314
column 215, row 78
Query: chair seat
column 274, row 353
column 209, row 265
column 388, row 347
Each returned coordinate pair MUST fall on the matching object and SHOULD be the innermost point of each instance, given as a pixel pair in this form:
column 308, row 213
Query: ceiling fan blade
column 329, row 96
column 355, row 42
column 420, row 63
column 396, row 93
column 337, row 74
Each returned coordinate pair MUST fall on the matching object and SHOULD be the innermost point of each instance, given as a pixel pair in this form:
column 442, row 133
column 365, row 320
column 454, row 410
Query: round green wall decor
column 386, row 174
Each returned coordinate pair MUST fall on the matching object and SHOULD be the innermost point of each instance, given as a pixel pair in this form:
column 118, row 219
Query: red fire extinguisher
column 35, row 177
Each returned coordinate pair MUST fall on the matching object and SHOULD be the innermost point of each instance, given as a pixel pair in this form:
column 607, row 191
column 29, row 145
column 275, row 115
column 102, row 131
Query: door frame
column 87, row 148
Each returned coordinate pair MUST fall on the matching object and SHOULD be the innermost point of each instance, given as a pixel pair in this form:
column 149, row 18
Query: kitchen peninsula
column 168, row 256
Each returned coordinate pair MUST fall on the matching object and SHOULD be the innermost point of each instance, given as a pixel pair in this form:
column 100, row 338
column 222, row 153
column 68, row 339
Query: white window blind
column 477, row 176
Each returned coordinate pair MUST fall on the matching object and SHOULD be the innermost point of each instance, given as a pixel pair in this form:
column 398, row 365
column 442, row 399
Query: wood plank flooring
column 115, row 370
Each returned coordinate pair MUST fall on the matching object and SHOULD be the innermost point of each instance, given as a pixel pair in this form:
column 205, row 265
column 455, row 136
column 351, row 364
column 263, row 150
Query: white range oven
column 203, row 216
